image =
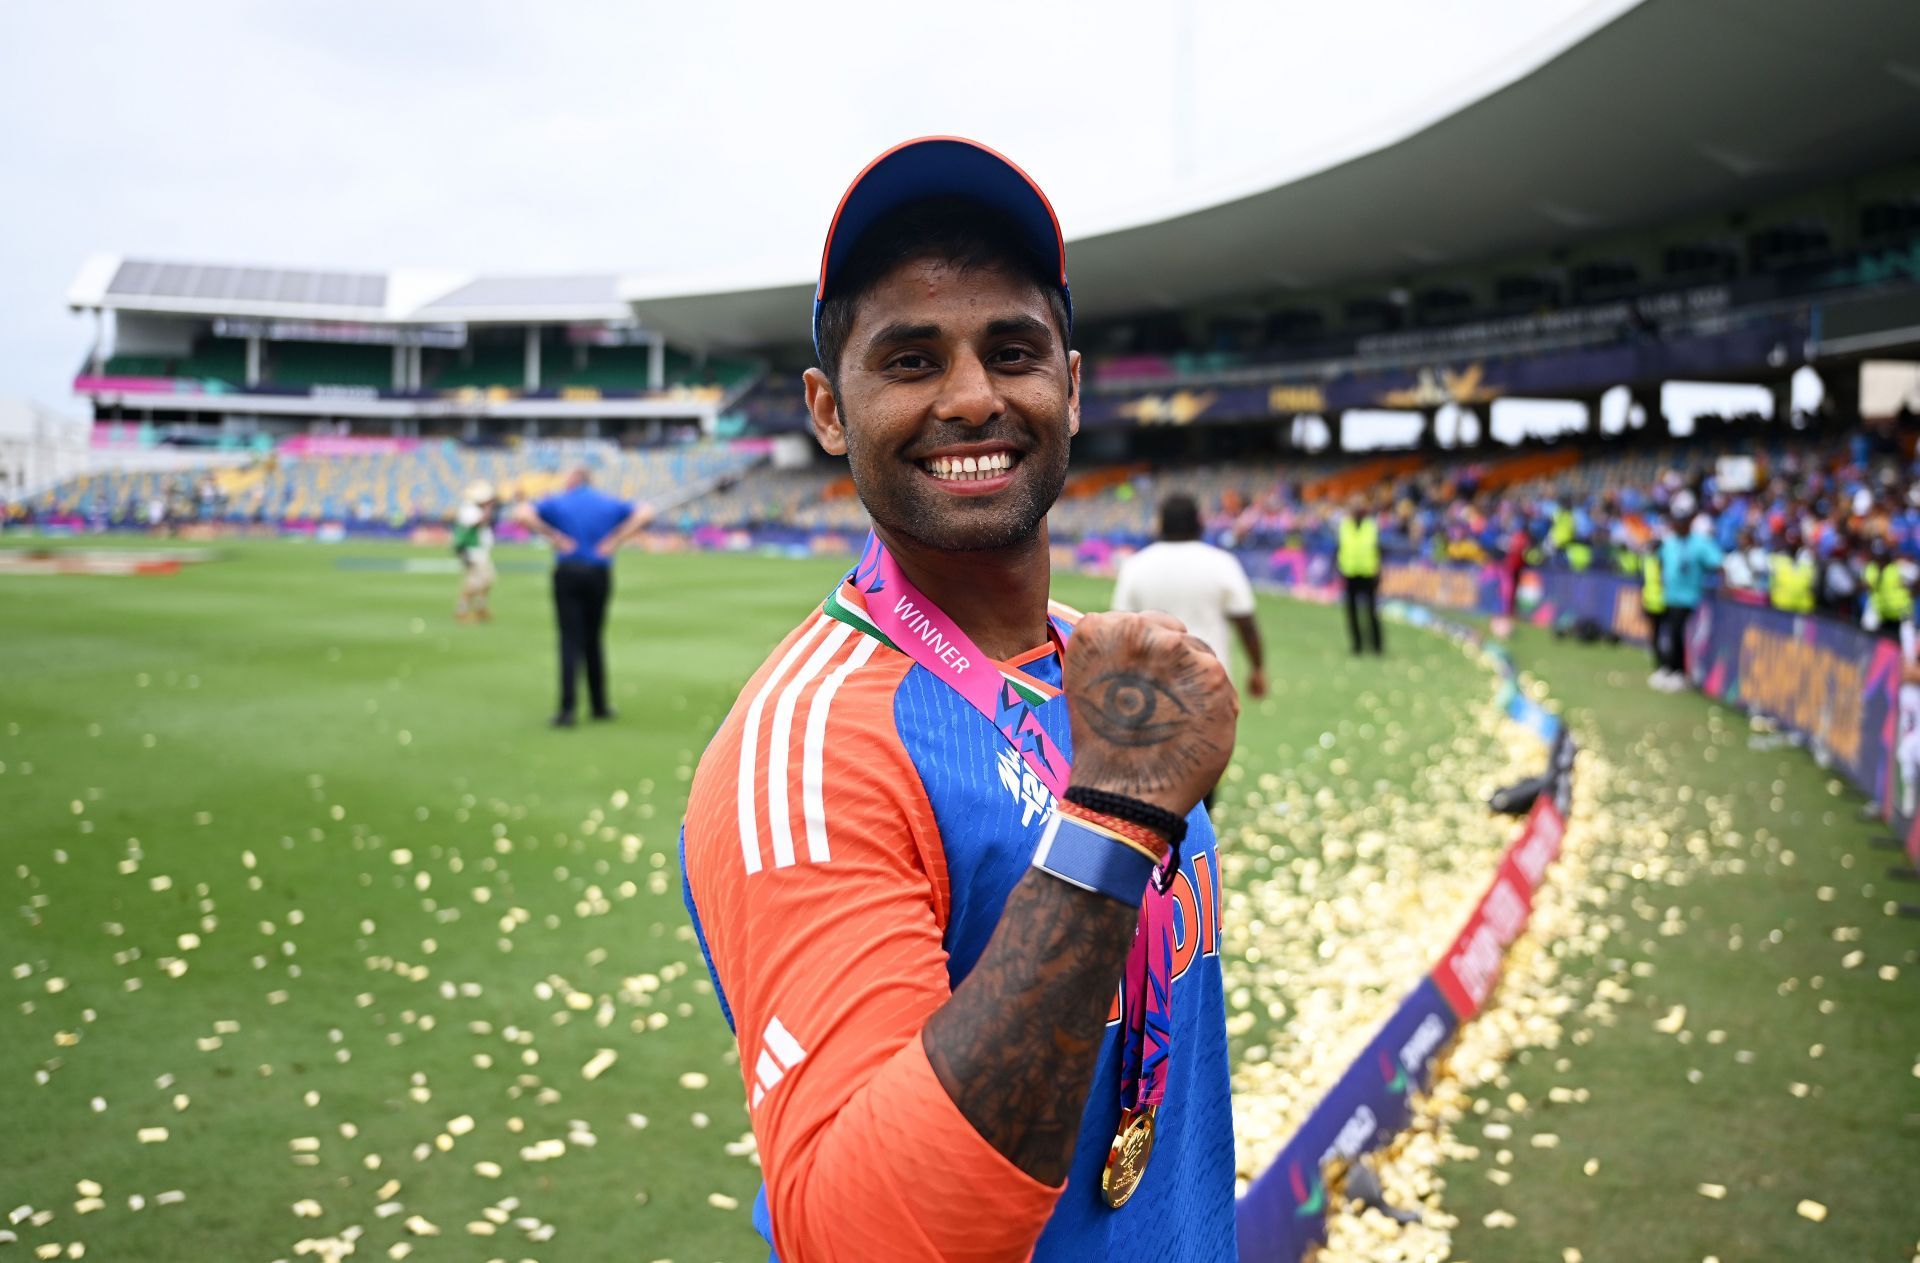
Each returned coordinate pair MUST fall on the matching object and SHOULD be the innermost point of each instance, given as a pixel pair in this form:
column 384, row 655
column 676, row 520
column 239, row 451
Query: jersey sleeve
column 814, row 867
column 1238, row 597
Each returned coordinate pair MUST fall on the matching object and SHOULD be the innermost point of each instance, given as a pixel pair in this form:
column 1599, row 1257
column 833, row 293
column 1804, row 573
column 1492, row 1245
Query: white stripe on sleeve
column 813, row 804
column 779, row 753
column 749, row 743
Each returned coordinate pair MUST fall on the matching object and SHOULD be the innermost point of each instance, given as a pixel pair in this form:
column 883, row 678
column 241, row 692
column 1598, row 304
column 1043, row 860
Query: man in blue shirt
column 586, row 527
column 1688, row 559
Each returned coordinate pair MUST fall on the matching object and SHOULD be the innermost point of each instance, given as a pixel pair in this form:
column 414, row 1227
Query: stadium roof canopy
column 151, row 287
column 1674, row 107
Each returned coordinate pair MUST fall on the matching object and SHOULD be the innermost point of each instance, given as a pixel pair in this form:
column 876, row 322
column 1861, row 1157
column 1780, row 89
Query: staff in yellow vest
column 1790, row 577
column 1359, row 563
column 1888, row 591
column 1653, row 603
column 1561, row 529
column 1579, row 555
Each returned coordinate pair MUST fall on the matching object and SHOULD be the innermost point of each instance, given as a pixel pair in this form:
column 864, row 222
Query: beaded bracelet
column 1163, row 822
column 1137, row 836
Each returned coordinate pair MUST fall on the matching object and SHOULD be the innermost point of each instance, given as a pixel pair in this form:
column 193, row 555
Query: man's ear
column 1073, row 393
column 825, row 412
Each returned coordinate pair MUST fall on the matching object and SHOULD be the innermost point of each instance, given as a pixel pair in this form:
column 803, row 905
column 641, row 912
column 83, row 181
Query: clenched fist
column 1153, row 711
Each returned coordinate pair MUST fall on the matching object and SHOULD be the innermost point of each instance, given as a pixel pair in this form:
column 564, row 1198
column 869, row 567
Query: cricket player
column 473, row 544
column 945, row 857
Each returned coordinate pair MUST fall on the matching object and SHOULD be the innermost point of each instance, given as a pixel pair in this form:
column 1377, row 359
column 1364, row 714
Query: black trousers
column 580, row 593
column 1673, row 649
column 1362, row 595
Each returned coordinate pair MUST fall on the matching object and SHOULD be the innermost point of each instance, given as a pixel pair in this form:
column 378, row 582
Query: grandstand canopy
column 1675, row 107
column 156, row 287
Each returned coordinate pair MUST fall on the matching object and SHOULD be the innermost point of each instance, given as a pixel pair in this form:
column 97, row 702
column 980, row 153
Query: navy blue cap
column 941, row 166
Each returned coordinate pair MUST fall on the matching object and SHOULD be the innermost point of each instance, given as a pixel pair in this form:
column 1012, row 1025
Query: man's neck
column 998, row 596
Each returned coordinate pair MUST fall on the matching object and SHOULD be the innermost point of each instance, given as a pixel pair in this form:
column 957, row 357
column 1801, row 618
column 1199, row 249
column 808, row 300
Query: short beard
column 908, row 511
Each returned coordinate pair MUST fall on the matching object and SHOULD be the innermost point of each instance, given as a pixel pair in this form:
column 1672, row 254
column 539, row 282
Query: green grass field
column 1775, row 922
column 300, row 876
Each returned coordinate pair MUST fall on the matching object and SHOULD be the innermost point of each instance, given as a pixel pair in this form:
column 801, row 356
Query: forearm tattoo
column 1016, row 1044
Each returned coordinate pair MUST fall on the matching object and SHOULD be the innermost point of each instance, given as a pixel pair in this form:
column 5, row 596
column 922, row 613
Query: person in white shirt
column 1745, row 567
column 1204, row 587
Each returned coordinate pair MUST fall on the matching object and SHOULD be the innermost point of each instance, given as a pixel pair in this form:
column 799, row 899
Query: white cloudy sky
column 687, row 139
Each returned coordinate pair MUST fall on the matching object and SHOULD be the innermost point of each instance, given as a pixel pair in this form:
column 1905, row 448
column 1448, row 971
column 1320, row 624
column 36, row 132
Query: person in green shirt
column 473, row 544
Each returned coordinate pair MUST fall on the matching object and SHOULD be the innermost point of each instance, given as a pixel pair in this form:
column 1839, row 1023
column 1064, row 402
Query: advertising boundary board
column 1835, row 685
column 1283, row 1213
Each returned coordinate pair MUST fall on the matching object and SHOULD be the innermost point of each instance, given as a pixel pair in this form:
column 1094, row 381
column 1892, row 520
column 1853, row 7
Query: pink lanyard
column 920, row 629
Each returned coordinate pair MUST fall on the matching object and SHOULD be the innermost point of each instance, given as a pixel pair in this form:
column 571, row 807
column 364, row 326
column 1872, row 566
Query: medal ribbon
column 891, row 608
column 1146, row 1004
column 920, row 629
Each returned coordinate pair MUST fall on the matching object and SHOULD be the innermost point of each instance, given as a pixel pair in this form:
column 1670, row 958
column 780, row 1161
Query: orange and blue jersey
column 852, row 834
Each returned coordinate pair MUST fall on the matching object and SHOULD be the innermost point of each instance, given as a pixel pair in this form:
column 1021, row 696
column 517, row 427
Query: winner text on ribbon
column 930, row 635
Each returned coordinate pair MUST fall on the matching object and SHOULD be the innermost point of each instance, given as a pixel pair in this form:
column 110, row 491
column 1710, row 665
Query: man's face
column 942, row 370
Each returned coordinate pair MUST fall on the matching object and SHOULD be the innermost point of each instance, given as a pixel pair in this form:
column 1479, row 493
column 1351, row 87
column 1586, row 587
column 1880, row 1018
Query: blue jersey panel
column 990, row 811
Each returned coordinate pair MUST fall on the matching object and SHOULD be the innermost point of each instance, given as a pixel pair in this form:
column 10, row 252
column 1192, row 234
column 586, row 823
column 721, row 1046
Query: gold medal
column 1127, row 1160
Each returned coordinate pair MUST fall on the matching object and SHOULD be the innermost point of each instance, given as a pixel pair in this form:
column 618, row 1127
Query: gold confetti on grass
column 1340, row 897
column 1532, row 1006
column 1810, row 1209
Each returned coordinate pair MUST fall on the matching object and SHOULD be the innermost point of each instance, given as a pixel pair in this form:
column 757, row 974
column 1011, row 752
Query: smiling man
column 945, row 856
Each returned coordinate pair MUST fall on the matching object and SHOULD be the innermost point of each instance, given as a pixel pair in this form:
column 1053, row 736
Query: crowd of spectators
column 1828, row 524
column 1823, row 518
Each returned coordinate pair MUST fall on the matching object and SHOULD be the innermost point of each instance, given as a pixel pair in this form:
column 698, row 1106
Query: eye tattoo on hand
column 1123, row 705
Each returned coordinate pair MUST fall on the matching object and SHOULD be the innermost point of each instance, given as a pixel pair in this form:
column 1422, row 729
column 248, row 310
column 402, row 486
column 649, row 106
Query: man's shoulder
column 1158, row 555
column 824, row 667
column 809, row 746
column 1188, row 558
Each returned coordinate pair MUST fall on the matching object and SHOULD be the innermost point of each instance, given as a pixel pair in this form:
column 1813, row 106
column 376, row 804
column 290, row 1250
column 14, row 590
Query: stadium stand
column 212, row 359
column 392, row 489
column 329, row 364
column 482, row 363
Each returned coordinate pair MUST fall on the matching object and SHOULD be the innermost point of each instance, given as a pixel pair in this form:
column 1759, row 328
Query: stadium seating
column 391, row 489
column 1461, row 506
column 479, row 365
column 329, row 364
column 492, row 364
column 212, row 359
